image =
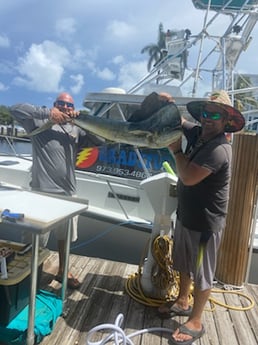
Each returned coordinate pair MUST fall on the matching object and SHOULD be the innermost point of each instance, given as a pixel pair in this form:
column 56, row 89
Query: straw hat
column 236, row 120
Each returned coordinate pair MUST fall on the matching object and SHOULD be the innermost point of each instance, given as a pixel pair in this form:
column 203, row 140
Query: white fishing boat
column 120, row 217
column 109, row 222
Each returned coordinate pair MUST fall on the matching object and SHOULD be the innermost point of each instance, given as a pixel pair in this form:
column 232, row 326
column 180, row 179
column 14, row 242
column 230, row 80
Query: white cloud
column 131, row 73
column 42, row 67
column 78, row 83
column 3, row 87
column 120, row 30
column 4, row 41
column 117, row 60
column 65, row 27
column 105, row 74
column 101, row 43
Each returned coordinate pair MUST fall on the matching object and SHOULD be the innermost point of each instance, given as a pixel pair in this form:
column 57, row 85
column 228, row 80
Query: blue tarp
column 48, row 309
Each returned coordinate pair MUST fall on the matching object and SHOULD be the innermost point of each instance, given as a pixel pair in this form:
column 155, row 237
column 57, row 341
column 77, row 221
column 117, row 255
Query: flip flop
column 174, row 311
column 72, row 282
column 194, row 334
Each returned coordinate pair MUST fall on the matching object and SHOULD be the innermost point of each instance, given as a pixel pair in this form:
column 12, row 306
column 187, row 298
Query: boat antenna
column 203, row 33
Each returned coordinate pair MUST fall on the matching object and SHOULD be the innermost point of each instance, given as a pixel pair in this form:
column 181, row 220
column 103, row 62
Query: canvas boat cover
column 225, row 5
column 48, row 309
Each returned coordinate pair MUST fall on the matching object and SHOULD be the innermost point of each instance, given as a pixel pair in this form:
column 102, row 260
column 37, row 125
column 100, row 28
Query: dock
column 103, row 297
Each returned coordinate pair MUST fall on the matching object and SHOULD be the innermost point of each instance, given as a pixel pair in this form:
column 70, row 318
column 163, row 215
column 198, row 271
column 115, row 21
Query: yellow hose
column 133, row 282
column 213, row 301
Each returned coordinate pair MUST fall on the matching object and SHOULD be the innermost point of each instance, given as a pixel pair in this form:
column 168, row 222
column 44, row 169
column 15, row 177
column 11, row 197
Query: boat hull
column 117, row 224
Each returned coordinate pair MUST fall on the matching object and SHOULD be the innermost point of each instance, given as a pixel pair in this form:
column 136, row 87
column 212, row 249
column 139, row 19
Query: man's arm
column 30, row 116
column 189, row 172
column 27, row 115
column 26, row 111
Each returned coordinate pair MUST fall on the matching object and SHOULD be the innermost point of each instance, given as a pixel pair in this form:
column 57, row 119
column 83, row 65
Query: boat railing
column 226, row 48
column 226, row 6
column 11, row 142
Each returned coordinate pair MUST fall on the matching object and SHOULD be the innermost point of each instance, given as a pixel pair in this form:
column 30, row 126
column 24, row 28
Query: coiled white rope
column 117, row 334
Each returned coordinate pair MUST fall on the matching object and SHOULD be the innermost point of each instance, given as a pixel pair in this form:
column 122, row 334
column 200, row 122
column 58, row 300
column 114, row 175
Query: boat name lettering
column 129, row 158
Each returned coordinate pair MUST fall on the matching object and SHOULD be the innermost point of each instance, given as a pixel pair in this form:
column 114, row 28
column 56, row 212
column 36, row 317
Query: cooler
column 15, row 290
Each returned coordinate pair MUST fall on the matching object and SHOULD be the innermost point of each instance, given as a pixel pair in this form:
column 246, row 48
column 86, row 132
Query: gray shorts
column 191, row 257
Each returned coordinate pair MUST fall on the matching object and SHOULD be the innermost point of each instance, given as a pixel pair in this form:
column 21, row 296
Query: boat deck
column 102, row 297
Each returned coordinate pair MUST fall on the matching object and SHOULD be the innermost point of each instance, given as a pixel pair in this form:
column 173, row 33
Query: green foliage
column 158, row 51
column 245, row 100
column 5, row 116
column 155, row 50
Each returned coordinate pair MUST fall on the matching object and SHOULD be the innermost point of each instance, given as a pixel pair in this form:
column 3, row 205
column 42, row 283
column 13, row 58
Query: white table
column 42, row 213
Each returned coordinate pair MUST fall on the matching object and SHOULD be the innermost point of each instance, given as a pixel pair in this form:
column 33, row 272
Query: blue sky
column 84, row 46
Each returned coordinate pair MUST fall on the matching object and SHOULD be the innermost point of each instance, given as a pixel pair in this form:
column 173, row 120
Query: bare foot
column 72, row 282
column 184, row 333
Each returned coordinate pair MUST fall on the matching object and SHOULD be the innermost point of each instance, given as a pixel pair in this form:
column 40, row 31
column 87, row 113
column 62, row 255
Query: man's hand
column 176, row 146
column 58, row 116
column 73, row 113
column 164, row 96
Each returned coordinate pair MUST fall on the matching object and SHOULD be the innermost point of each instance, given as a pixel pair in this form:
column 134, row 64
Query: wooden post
column 233, row 252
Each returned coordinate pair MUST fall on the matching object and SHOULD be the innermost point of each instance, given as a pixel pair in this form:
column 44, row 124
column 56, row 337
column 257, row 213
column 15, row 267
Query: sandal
column 193, row 334
column 174, row 310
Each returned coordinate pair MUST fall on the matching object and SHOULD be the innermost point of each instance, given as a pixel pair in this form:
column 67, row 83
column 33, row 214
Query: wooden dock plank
column 214, row 319
column 239, row 319
column 103, row 296
column 252, row 313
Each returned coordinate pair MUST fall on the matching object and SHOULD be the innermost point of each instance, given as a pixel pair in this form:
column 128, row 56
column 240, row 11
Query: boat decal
column 122, row 160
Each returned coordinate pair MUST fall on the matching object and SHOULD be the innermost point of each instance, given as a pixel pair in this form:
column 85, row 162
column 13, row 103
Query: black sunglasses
column 63, row 104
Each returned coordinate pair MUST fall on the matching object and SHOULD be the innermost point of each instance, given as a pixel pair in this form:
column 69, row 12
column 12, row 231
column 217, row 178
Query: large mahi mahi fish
column 158, row 131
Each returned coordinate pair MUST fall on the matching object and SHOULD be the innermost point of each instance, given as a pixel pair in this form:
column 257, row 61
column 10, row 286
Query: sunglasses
column 212, row 116
column 63, row 104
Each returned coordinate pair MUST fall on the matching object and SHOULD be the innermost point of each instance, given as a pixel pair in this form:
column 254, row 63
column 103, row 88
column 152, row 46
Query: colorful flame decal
column 87, row 157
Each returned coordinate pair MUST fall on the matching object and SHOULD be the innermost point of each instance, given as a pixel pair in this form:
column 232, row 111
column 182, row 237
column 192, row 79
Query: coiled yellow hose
column 161, row 250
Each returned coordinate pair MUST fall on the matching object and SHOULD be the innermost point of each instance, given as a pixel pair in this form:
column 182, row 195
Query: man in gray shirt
column 54, row 155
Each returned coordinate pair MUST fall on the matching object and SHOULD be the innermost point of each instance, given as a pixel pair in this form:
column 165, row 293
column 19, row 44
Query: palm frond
column 148, row 48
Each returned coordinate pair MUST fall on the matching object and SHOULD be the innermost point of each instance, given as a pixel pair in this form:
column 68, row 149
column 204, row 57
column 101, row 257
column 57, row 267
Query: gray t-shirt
column 54, row 150
column 203, row 207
